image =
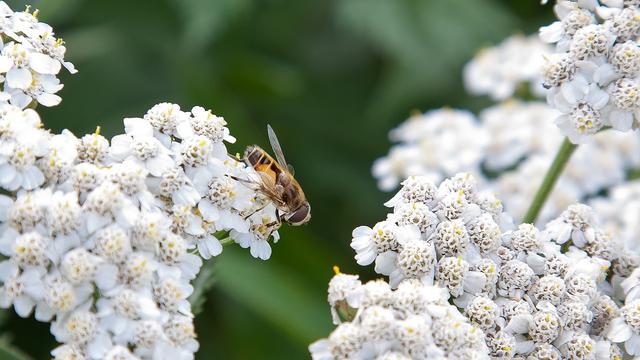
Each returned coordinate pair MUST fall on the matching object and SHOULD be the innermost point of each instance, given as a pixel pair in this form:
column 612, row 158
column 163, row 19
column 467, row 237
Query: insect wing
column 275, row 145
column 272, row 191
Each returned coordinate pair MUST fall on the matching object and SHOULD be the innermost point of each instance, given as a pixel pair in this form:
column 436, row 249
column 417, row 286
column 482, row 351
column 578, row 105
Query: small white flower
column 498, row 71
column 60, row 297
column 121, row 308
column 502, row 344
column 106, row 204
column 343, row 343
column 140, row 146
column 625, row 328
column 369, row 242
column 18, row 162
column 425, row 139
column 343, row 290
column 164, row 118
column 625, row 102
column 173, row 183
column 224, row 199
column 22, row 289
column 575, row 224
column 208, row 246
column 93, row 148
column 545, row 326
column 204, row 123
column 42, row 88
column 549, row 288
column 581, row 346
column 482, row 312
column 515, row 279
column 171, row 295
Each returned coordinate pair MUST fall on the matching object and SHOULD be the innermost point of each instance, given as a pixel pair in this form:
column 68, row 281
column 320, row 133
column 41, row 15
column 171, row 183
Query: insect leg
column 245, row 181
column 236, row 157
column 256, row 210
column 273, row 224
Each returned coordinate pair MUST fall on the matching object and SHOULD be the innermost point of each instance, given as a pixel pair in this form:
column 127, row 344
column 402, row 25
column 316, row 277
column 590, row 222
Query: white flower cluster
column 536, row 294
column 100, row 236
column 619, row 213
column 103, row 238
column 425, row 140
column 596, row 166
column 509, row 149
column 502, row 70
column 593, row 76
column 516, row 131
column 415, row 321
column 30, row 58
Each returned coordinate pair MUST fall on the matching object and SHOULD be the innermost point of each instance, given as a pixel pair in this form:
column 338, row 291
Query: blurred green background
column 331, row 76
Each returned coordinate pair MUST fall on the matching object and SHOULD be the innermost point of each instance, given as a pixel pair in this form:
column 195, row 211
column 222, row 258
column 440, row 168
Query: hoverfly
column 277, row 183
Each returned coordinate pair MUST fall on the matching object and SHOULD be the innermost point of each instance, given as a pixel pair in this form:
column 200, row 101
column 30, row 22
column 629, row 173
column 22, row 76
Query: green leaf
column 4, row 315
column 425, row 42
column 204, row 20
column 633, row 174
column 201, row 285
column 277, row 294
column 54, row 11
column 10, row 352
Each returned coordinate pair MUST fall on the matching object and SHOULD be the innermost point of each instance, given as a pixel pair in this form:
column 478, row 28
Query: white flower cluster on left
column 100, row 237
column 103, row 238
column 30, row 58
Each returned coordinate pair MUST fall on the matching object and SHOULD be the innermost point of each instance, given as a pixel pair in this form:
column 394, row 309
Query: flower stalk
column 562, row 157
column 345, row 312
column 226, row 242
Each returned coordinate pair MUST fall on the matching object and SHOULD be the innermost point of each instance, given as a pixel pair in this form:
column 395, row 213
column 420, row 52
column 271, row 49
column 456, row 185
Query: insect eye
column 301, row 215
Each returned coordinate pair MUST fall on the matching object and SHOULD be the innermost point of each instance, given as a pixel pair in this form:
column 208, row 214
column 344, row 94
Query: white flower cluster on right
column 503, row 70
column 593, row 76
column 510, row 145
column 414, row 321
column 555, row 293
column 619, row 213
column 508, row 148
column 424, row 140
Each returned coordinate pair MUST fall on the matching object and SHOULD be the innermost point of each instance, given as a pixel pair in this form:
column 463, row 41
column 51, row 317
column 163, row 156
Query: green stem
column 226, row 242
column 561, row 159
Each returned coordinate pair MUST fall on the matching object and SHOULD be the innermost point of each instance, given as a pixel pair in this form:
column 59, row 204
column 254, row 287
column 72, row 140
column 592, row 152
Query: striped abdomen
column 261, row 161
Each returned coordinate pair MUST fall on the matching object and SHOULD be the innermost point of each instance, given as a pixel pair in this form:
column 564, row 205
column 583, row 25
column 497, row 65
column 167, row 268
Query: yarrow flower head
column 30, row 58
column 101, row 237
column 503, row 70
column 122, row 219
column 513, row 160
column 592, row 78
column 414, row 321
column 424, row 139
column 532, row 293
